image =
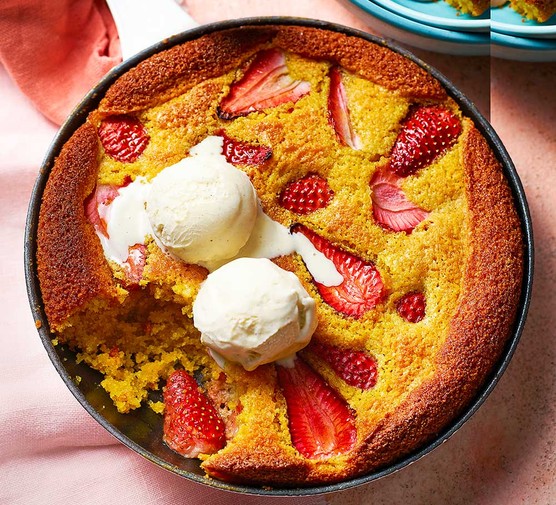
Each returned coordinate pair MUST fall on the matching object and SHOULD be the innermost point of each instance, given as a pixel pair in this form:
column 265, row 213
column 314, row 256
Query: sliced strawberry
column 362, row 288
column 338, row 111
column 426, row 134
column 411, row 306
column 391, row 209
column 135, row 264
column 96, row 206
column 97, row 202
column 321, row 423
column 191, row 424
column 306, row 195
column 243, row 153
column 265, row 84
column 124, row 138
column 220, row 394
column 357, row 368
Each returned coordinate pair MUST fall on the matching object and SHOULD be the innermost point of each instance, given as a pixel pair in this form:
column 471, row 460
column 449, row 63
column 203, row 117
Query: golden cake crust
column 483, row 320
column 70, row 260
column 371, row 61
column 73, row 271
column 172, row 72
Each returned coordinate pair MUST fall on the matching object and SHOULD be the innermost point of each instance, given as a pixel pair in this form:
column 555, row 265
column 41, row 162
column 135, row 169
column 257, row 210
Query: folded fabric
column 57, row 50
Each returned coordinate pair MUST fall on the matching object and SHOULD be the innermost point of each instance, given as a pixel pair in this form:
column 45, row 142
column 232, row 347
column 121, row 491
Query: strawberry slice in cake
column 266, row 83
column 124, row 138
column 306, row 195
column 361, row 288
column 426, row 134
column 338, row 111
column 391, row 208
column 320, row 421
column 191, row 424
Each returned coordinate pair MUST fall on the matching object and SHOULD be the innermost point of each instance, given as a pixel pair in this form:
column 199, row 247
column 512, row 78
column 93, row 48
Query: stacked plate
column 522, row 39
column 436, row 26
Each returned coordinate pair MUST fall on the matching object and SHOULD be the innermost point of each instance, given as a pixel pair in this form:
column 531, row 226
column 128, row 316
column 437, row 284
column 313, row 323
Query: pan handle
column 142, row 23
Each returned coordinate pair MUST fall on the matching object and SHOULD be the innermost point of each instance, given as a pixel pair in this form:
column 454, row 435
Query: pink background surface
column 53, row 452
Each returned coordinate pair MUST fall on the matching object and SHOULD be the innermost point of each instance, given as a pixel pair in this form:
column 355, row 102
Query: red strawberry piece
column 243, row 153
column 265, row 84
column 148, row 327
column 96, row 206
column 411, row 306
column 357, row 368
column 426, row 134
column 306, row 195
column 127, row 181
column 191, row 424
column 135, row 264
column 338, row 111
column 124, row 138
column 219, row 393
column 391, row 209
column 321, row 423
column 361, row 289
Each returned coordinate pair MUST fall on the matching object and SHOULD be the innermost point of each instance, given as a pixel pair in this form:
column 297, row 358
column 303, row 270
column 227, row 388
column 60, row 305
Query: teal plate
column 438, row 14
column 507, row 21
column 417, row 34
column 522, row 48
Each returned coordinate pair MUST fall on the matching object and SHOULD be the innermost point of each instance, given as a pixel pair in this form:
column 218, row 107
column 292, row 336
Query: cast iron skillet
column 141, row 430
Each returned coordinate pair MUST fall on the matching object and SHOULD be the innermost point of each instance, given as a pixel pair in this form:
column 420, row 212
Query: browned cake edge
column 71, row 266
column 172, row 72
column 483, row 321
column 371, row 61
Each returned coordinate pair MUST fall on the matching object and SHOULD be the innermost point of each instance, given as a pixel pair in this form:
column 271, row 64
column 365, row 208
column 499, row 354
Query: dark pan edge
column 91, row 100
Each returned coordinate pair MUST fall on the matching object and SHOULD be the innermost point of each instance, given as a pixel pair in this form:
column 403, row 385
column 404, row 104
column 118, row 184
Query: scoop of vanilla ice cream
column 252, row 312
column 202, row 209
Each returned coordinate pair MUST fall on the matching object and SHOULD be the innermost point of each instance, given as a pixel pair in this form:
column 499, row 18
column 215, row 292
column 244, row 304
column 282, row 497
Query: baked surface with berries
column 356, row 149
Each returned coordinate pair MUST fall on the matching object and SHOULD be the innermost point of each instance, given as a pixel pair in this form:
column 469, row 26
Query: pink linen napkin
column 57, row 50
